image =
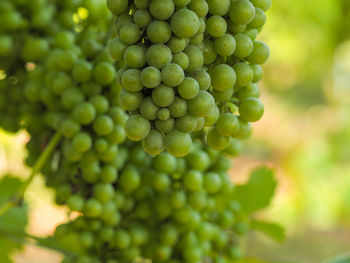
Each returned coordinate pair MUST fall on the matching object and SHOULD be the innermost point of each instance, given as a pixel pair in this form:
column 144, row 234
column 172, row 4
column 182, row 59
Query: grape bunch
column 27, row 31
column 165, row 209
column 164, row 85
column 187, row 65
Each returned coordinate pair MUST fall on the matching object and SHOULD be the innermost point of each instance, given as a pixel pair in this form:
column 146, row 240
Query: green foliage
column 272, row 230
column 258, row 191
column 13, row 221
column 344, row 258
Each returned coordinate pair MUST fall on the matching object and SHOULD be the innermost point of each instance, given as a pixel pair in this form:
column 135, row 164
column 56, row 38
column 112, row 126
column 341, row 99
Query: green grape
column 234, row 148
column 84, row 113
column 244, row 130
column 158, row 55
column 244, row 45
column 193, row 180
column 103, row 192
column 160, row 181
column 177, row 44
column 142, row 18
column 197, row 39
column 168, row 235
column 188, row 89
column 242, row 12
column 121, row 239
column 163, row 114
column 216, row 26
column 178, row 108
column 201, row 105
column 225, row 45
column 195, row 57
column 135, row 57
column 186, row 123
column 236, row 29
column 208, row 51
column 219, row 7
column 212, row 117
column 181, row 59
column 151, row 77
column 223, row 77
column 153, row 143
column 165, row 126
column 223, row 95
column 227, row 124
column 82, row 142
column 252, row 90
column 200, row 7
column 260, row 53
column 137, row 127
column 129, row 179
column 178, row 143
column 104, row 73
column 117, row 48
column 148, row 109
column 158, row 32
column 163, row 96
column 70, row 127
column 117, row 7
column 108, row 174
column 172, row 75
column 100, row 103
column 263, row 4
column 212, row 182
column 202, row 77
column 81, row 71
column 259, row 19
column 71, row 97
column 258, row 73
column 130, row 101
column 34, row 49
column 251, row 109
column 103, row 125
column 181, row 3
column 76, row 203
column 244, row 74
column 197, row 200
column 92, row 208
column 131, row 80
column 184, row 23
column 129, row 33
column 217, row 141
column 162, row 9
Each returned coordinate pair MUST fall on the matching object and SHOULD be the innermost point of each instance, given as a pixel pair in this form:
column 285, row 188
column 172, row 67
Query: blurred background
column 304, row 135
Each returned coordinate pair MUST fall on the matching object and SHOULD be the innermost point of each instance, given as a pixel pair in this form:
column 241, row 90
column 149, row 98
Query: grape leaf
column 272, row 230
column 258, row 191
column 344, row 258
column 13, row 221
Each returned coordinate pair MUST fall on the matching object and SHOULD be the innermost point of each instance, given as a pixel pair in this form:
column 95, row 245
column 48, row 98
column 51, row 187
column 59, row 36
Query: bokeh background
column 304, row 135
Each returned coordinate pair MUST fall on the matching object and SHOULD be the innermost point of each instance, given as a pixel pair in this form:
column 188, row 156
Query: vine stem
column 45, row 155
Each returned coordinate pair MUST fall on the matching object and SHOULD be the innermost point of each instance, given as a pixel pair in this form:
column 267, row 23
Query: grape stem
column 45, row 155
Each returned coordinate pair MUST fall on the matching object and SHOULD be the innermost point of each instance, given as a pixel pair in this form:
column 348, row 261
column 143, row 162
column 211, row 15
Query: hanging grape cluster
column 165, row 209
column 180, row 76
column 189, row 65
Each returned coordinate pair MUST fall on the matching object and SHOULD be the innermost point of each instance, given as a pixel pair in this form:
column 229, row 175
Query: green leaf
column 9, row 186
column 344, row 258
column 12, row 222
column 258, row 191
column 272, row 230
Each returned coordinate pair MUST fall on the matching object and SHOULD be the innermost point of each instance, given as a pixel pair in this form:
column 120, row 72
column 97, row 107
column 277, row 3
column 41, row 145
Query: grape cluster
column 163, row 80
column 187, row 65
column 28, row 31
column 165, row 209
